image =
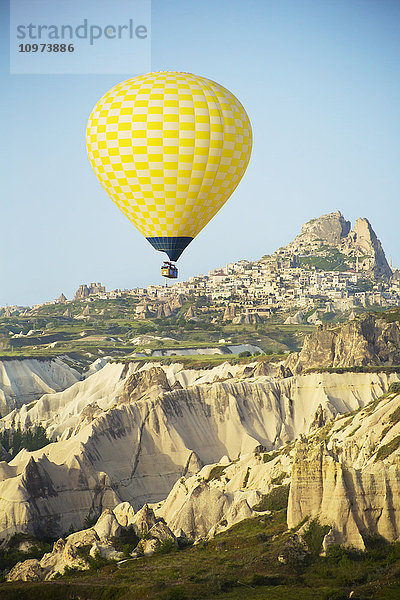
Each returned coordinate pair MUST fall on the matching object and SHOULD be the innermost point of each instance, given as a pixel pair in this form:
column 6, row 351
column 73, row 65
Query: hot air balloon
column 169, row 148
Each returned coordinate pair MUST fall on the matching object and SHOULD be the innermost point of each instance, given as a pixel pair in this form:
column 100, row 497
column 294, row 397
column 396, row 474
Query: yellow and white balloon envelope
column 169, row 148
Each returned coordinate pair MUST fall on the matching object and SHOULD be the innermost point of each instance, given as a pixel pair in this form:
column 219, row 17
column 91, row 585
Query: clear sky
column 320, row 80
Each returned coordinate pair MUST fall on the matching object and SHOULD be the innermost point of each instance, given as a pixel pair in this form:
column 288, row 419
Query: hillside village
column 327, row 268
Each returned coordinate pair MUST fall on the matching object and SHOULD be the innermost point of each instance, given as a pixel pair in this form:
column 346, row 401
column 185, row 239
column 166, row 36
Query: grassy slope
column 240, row 563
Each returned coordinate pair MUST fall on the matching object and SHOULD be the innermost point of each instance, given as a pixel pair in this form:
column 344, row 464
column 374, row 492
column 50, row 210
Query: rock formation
column 365, row 246
column 295, row 319
column 85, row 291
column 82, row 292
column 363, row 341
column 330, row 229
column 190, row 314
column 247, row 319
column 23, row 381
column 229, row 313
column 127, row 434
column 351, row 479
column 361, row 245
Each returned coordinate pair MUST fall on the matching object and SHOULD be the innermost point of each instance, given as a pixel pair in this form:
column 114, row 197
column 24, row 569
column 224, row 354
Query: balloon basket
column 169, row 270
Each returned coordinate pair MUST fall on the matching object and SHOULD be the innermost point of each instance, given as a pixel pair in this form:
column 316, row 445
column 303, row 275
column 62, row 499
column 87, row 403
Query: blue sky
column 321, row 84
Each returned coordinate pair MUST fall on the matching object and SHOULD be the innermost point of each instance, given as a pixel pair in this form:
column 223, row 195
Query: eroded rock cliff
column 347, row 475
column 121, row 445
column 363, row 341
column 23, row 381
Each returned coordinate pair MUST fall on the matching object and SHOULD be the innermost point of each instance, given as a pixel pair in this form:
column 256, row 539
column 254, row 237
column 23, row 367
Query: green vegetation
column 216, row 472
column 357, row 369
column 13, row 440
column 394, row 388
column 239, row 563
column 246, row 477
column 314, row 536
column 387, row 449
column 395, row 416
column 277, row 499
column 327, row 259
column 112, row 329
column 34, row 548
column 267, row 457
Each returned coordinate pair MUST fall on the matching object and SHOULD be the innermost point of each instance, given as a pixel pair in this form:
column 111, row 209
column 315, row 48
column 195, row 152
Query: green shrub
column 394, row 388
column 387, row 449
column 278, row 480
column 268, row 456
column 246, row 477
column 395, row 416
column 314, row 536
column 176, row 593
column 277, row 499
column 165, row 547
column 90, row 520
column 216, row 472
column 338, row 595
column 13, row 440
column 244, row 354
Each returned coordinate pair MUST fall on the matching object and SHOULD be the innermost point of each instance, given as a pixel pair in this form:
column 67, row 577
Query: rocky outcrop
column 229, row 313
column 295, row 319
column 360, row 245
column 247, row 319
column 363, row 244
column 363, row 341
column 65, row 553
column 135, row 450
column 351, row 480
column 330, row 229
column 82, row 292
column 24, row 381
column 138, row 384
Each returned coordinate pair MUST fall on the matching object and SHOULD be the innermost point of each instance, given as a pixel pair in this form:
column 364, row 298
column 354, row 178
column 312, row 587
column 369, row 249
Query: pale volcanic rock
column 105, row 550
column 28, row 570
column 160, row 532
column 64, row 554
column 23, row 381
column 363, row 341
column 331, row 228
column 351, row 481
column 124, row 514
column 362, row 242
column 60, row 413
column 332, row 231
column 205, row 504
column 107, row 525
column 295, row 319
column 112, row 452
column 143, row 520
column 147, row 547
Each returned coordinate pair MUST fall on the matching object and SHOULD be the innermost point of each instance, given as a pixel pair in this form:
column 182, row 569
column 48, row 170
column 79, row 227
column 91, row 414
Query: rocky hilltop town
column 328, row 265
column 253, row 412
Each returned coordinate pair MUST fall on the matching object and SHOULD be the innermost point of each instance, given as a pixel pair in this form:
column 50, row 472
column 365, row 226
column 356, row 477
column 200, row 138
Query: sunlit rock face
column 350, row 480
column 23, row 381
column 363, row 341
column 129, row 433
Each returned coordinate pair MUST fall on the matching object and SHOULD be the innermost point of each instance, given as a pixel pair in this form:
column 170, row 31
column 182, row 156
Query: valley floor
column 257, row 559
